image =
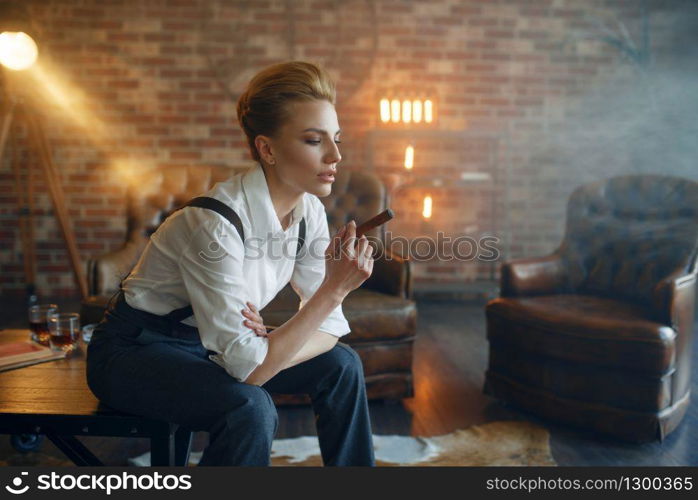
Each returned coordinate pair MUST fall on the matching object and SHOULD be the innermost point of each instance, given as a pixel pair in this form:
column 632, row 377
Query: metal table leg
column 74, row 450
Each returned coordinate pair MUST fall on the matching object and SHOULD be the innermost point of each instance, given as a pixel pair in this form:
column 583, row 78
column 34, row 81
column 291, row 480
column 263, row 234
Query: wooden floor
column 449, row 365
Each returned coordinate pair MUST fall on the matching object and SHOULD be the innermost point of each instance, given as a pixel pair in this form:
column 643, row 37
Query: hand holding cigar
column 374, row 222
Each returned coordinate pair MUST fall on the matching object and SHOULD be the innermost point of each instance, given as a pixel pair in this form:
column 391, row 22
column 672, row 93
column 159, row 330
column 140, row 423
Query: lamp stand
column 37, row 140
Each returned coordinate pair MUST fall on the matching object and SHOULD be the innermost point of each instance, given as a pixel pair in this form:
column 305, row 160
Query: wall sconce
column 406, row 111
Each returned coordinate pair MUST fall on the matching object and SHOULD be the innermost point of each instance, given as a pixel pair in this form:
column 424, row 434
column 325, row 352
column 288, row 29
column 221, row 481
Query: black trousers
column 143, row 372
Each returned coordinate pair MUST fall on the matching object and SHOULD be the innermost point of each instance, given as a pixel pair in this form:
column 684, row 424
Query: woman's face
column 305, row 151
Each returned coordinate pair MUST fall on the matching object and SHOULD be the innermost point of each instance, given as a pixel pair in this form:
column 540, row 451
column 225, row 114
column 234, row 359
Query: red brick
column 178, row 26
column 175, row 73
column 123, row 84
column 175, row 143
column 123, row 37
column 185, row 155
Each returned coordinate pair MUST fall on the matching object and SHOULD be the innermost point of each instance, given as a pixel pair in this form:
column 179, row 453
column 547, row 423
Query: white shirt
column 197, row 257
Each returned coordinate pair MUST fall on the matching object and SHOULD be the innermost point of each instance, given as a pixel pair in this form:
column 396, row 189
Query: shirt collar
column 263, row 218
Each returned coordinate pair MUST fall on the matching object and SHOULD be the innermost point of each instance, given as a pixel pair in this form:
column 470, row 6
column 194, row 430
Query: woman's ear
column 263, row 145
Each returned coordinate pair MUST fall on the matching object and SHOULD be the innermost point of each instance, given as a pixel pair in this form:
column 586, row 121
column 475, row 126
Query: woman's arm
column 347, row 266
column 287, row 341
column 319, row 343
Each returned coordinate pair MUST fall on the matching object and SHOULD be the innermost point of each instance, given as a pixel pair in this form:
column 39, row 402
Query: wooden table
column 53, row 399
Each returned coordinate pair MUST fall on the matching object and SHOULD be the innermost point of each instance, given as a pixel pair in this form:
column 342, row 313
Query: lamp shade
column 18, row 51
column 18, row 36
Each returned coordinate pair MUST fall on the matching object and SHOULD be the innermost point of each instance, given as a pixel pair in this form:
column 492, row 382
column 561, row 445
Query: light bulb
column 417, row 111
column 406, row 111
column 385, row 110
column 395, row 110
column 409, row 157
column 18, row 50
column 426, row 212
column 428, row 111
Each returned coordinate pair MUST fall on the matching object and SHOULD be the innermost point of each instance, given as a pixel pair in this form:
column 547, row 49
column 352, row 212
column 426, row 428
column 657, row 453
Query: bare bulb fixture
column 428, row 111
column 395, row 110
column 406, row 111
column 426, row 211
column 18, row 51
column 409, row 157
column 417, row 110
column 385, row 110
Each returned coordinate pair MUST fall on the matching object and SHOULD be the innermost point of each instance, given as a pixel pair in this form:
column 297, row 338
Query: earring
column 272, row 162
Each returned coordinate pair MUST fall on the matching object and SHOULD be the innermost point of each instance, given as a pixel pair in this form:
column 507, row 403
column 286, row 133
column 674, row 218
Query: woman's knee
column 346, row 359
column 253, row 408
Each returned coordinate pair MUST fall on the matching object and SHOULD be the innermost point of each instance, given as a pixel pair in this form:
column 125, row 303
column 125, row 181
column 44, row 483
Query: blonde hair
column 264, row 106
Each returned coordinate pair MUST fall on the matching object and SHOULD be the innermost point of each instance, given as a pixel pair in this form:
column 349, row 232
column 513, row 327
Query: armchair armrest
column 532, row 276
column 391, row 274
column 104, row 273
column 673, row 299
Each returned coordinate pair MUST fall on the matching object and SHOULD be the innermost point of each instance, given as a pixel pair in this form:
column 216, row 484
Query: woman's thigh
column 165, row 382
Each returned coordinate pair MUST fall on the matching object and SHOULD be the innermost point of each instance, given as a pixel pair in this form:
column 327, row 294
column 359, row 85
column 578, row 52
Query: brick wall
column 145, row 84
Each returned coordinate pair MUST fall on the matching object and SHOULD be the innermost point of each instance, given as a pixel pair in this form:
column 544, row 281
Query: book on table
column 24, row 353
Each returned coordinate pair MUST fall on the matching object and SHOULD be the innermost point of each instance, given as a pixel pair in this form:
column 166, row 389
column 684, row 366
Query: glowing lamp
column 406, row 111
column 409, row 157
column 18, row 51
column 417, row 110
column 426, row 212
column 395, row 110
column 385, row 110
column 428, row 111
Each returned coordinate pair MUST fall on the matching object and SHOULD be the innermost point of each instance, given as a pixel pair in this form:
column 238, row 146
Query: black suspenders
column 227, row 212
column 234, row 219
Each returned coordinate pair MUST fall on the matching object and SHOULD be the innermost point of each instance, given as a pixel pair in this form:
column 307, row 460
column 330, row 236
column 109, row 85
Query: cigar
column 373, row 223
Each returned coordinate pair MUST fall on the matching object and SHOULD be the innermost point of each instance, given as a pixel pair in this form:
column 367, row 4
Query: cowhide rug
column 497, row 443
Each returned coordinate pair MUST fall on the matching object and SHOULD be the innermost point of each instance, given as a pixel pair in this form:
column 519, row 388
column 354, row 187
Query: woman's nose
column 333, row 156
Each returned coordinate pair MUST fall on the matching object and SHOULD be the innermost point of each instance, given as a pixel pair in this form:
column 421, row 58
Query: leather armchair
column 598, row 334
column 381, row 314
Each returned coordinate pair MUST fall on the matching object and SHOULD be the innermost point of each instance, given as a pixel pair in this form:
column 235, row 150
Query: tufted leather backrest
column 156, row 193
column 626, row 233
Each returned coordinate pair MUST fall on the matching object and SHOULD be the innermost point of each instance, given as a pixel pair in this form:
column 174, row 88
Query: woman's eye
column 318, row 142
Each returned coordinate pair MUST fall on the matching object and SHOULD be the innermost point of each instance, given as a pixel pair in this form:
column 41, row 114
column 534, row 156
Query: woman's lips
column 326, row 177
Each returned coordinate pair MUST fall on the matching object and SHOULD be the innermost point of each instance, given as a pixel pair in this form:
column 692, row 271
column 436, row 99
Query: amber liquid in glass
column 66, row 341
column 40, row 332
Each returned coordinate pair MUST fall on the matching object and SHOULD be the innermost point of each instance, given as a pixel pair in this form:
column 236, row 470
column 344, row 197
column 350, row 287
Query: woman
column 184, row 342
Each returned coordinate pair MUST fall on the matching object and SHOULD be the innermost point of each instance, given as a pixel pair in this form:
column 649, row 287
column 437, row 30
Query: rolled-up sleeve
column 211, row 268
column 309, row 271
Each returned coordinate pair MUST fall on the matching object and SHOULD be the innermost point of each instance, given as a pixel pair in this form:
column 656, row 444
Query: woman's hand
column 254, row 321
column 349, row 262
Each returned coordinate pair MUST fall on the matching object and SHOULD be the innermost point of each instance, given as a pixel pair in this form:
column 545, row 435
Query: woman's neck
column 283, row 199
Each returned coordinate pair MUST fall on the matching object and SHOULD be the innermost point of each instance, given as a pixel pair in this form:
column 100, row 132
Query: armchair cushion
column 583, row 329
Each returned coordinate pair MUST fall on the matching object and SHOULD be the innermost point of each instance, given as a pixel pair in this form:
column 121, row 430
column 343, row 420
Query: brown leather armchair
column 598, row 334
column 381, row 314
